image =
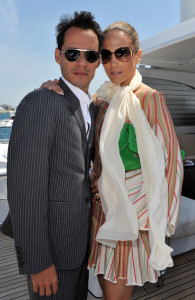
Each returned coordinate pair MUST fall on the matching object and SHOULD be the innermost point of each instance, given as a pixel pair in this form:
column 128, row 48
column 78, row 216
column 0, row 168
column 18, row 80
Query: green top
column 128, row 148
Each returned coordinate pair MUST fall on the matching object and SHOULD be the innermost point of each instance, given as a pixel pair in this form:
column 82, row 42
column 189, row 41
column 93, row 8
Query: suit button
column 87, row 200
column 21, row 263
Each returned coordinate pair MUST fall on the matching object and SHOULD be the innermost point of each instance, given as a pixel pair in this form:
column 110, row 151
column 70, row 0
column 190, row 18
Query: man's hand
column 45, row 282
column 52, row 85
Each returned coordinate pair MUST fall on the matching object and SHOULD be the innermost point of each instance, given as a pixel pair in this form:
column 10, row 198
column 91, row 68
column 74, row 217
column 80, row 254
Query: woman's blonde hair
column 128, row 29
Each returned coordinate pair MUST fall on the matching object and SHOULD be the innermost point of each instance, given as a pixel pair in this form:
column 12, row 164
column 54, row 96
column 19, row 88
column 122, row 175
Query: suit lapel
column 91, row 132
column 74, row 106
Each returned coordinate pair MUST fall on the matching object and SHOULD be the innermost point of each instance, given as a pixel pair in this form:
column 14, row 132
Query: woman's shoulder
column 145, row 89
column 97, row 101
column 146, row 93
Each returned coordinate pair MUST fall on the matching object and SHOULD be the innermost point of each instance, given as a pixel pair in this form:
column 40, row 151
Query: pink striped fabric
column 130, row 259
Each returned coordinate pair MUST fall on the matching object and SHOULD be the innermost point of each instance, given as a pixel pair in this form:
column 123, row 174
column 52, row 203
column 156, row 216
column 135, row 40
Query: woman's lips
column 115, row 73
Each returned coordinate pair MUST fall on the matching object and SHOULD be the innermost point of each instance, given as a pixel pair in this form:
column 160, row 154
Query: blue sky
column 27, row 36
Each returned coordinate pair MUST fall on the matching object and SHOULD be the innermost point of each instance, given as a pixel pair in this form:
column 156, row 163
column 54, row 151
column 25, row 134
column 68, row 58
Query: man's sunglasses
column 123, row 54
column 73, row 54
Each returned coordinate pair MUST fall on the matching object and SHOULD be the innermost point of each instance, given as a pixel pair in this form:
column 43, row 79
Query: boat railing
column 3, row 156
column 4, row 141
column 4, row 208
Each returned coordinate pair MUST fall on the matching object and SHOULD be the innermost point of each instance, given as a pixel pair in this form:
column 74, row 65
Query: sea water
column 5, row 131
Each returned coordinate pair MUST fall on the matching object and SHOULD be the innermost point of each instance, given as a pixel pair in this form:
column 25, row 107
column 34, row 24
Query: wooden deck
column 179, row 282
column 12, row 285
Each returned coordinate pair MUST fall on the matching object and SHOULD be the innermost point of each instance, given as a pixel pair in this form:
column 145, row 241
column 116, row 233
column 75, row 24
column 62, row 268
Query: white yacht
column 170, row 60
column 6, row 122
column 12, row 113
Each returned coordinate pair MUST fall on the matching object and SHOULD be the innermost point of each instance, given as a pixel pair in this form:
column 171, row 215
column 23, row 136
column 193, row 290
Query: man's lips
column 80, row 73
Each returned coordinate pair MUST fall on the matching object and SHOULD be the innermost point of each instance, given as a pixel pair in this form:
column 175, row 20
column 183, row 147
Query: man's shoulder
column 42, row 97
column 44, row 94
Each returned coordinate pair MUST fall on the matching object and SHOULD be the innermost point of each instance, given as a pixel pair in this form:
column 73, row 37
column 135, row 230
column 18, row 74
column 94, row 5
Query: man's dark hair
column 83, row 20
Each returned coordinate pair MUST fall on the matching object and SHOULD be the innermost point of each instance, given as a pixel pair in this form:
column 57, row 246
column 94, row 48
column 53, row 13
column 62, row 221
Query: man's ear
column 57, row 56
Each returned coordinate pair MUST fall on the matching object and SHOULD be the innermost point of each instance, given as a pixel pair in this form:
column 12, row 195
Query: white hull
column 6, row 123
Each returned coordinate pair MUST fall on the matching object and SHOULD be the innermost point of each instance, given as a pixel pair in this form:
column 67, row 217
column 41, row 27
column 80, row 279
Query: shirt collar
column 81, row 95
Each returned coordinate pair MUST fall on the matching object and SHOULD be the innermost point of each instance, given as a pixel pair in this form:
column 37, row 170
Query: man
column 48, row 169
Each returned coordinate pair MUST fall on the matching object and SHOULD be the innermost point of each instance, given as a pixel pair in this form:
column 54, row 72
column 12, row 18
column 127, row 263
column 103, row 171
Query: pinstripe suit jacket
column 48, row 184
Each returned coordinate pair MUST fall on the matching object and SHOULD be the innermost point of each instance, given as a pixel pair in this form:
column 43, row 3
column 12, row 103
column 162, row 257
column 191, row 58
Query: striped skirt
column 130, row 259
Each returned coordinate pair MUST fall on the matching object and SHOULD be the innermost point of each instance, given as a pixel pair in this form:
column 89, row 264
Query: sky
column 28, row 41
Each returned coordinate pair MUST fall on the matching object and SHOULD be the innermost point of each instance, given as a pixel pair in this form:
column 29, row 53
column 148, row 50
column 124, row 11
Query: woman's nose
column 113, row 60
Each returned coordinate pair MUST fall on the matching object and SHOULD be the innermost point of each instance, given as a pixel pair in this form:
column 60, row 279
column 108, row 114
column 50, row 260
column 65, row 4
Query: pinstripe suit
column 48, row 183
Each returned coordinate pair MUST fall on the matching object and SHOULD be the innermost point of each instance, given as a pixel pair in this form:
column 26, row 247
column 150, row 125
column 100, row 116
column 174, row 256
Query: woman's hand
column 53, row 85
column 94, row 187
column 95, row 191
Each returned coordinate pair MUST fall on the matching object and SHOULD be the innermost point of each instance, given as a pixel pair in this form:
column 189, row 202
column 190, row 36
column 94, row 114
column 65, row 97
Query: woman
column 139, row 171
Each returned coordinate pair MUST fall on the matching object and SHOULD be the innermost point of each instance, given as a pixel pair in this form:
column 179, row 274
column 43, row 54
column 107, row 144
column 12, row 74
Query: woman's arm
column 161, row 122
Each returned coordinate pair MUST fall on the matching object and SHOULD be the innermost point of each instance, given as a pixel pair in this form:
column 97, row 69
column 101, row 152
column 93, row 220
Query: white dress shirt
column 85, row 100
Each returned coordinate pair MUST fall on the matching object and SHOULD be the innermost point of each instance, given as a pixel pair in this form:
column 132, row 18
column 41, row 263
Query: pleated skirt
column 129, row 260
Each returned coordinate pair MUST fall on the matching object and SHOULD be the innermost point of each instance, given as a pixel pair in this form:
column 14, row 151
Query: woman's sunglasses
column 123, row 54
column 73, row 54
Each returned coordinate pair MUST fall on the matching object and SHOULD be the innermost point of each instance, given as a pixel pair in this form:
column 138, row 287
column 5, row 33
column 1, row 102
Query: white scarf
column 121, row 217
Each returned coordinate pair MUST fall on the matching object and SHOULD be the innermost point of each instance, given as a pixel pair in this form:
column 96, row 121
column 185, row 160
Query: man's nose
column 82, row 59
